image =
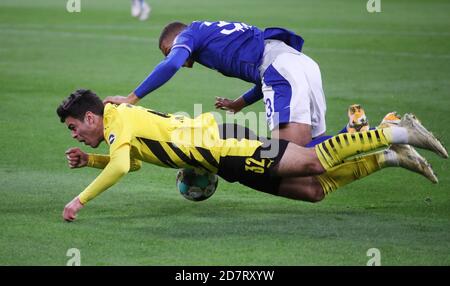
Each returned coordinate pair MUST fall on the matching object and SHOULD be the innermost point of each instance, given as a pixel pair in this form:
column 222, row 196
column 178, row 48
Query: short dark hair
column 171, row 29
column 78, row 103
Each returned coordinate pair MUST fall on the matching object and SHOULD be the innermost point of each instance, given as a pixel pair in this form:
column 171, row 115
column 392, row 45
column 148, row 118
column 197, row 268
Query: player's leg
column 135, row 8
column 300, row 161
column 306, row 189
column 267, row 173
column 298, row 133
column 314, row 189
column 294, row 100
column 360, row 167
column 145, row 10
column 141, row 9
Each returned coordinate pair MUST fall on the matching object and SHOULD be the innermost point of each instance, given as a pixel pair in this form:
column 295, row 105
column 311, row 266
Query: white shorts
column 292, row 88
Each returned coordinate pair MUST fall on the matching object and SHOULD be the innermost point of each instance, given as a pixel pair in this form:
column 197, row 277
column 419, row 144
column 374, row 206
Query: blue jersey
column 234, row 49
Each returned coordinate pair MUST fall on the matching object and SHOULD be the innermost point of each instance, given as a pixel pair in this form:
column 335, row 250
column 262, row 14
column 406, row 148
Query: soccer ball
column 196, row 186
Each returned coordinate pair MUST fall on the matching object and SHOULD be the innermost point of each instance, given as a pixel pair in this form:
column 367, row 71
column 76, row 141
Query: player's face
column 86, row 131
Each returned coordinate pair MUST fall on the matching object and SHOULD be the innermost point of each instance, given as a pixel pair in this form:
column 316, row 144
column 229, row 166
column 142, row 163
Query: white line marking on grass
column 361, row 52
column 78, row 35
column 355, row 52
column 81, row 26
column 363, row 32
column 322, row 31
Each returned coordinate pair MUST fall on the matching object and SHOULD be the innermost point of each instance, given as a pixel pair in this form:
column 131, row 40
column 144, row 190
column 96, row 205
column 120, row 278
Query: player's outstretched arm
column 162, row 73
column 78, row 159
column 98, row 161
column 135, row 164
column 118, row 166
column 253, row 95
column 101, row 161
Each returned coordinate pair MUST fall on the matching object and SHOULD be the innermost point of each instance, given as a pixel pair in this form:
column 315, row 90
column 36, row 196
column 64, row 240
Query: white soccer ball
column 195, row 185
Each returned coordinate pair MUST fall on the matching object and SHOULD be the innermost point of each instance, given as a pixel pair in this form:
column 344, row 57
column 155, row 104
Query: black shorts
column 255, row 171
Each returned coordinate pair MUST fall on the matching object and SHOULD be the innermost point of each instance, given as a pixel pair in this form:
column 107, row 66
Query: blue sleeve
column 163, row 72
column 253, row 95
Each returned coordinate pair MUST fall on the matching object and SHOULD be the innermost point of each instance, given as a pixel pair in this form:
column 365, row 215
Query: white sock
column 390, row 158
column 399, row 135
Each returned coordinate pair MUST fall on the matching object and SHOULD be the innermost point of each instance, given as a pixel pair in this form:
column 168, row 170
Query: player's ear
column 89, row 118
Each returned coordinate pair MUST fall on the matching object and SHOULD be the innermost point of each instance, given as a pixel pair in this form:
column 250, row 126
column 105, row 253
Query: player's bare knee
column 317, row 195
column 315, row 167
column 312, row 163
column 311, row 194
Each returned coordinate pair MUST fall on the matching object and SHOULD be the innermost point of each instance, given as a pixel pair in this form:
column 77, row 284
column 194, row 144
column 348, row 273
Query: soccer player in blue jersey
column 287, row 80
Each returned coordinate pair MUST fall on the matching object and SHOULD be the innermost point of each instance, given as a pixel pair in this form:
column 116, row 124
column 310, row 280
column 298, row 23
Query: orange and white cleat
column 390, row 119
column 358, row 121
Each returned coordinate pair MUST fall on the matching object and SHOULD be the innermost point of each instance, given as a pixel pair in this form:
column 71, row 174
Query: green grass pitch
column 398, row 59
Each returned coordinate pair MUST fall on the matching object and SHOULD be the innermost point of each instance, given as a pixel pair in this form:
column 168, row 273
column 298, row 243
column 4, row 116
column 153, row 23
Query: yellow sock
column 351, row 170
column 333, row 151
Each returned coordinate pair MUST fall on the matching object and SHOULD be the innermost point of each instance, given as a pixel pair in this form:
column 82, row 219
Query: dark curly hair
column 78, row 103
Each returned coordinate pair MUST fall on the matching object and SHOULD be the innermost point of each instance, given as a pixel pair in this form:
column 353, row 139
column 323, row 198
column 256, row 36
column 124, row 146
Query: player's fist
column 227, row 104
column 76, row 158
column 71, row 209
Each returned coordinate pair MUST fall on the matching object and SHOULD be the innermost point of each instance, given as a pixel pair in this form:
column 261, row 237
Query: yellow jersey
column 136, row 134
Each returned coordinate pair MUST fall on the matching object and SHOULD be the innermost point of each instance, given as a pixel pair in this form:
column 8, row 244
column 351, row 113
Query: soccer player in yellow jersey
column 136, row 135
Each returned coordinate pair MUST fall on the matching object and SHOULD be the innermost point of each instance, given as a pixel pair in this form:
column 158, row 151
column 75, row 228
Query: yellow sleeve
column 100, row 161
column 118, row 134
column 135, row 164
column 118, row 166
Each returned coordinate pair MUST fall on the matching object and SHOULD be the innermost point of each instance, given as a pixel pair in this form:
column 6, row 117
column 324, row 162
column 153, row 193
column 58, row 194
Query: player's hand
column 71, row 209
column 76, row 158
column 227, row 104
column 130, row 99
